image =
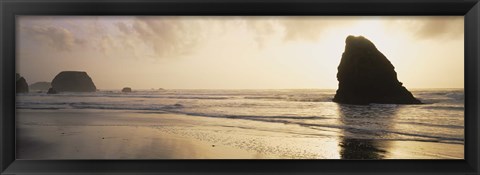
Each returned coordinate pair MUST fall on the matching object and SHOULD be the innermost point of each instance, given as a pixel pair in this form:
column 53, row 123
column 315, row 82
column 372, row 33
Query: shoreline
column 110, row 134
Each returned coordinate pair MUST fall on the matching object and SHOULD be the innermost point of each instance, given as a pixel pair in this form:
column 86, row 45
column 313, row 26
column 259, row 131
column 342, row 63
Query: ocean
column 311, row 111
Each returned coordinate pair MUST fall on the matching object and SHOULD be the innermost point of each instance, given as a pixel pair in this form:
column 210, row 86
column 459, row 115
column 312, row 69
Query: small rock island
column 40, row 86
column 73, row 81
column 21, row 85
column 366, row 76
column 127, row 89
column 52, row 91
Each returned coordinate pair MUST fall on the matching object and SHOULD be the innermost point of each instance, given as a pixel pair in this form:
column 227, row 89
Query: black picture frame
column 9, row 9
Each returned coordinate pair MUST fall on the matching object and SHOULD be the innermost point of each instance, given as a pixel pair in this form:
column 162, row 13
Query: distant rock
column 40, row 86
column 161, row 89
column 127, row 89
column 73, row 81
column 366, row 76
column 178, row 105
column 21, row 85
column 52, row 91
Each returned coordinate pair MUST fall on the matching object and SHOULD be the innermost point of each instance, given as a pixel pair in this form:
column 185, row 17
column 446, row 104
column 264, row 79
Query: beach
column 114, row 134
column 242, row 87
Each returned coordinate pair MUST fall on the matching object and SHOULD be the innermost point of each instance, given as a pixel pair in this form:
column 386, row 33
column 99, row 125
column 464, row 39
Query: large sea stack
column 73, row 81
column 21, row 84
column 366, row 76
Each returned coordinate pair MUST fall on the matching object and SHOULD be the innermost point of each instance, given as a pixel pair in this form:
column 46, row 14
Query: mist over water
column 311, row 111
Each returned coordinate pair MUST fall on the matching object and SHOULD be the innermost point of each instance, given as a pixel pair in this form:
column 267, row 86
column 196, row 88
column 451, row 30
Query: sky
column 234, row 52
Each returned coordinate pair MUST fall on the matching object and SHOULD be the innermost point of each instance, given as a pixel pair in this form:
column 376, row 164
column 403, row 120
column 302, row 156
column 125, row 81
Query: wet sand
column 108, row 134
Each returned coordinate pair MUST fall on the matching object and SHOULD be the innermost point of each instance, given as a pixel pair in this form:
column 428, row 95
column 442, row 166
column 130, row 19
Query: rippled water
column 441, row 119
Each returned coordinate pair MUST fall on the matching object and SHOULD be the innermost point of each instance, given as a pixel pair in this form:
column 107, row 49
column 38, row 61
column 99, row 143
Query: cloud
column 164, row 36
column 123, row 27
column 311, row 28
column 106, row 45
column 168, row 37
column 286, row 29
column 59, row 38
column 292, row 28
column 441, row 27
column 303, row 29
column 430, row 27
column 262, row 29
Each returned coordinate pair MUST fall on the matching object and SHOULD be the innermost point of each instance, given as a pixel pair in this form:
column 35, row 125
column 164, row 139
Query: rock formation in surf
column 366, row 76
column 40, row 86
column 21, row 85
column 73, row 81
column 52, row 91
column 127, row 89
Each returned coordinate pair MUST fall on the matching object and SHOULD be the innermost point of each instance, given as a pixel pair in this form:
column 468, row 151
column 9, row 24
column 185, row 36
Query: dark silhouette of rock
column 21, row 85
column 366, row 76
column 127, row 89
column 40, row 86
column 52, row 91
column 73, row 81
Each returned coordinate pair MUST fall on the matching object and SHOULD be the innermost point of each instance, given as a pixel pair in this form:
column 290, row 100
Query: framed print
column 187, row 87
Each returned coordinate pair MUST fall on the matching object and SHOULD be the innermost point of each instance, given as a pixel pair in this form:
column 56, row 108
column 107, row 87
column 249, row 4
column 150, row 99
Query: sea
column 440, row 119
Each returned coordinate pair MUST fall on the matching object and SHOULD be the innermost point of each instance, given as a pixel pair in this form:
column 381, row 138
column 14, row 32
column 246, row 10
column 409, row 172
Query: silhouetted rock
column 127, row 89
column 73, row 81
column 366, row 76
column 52, row 91
column 21, row 84
column 40, row 86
